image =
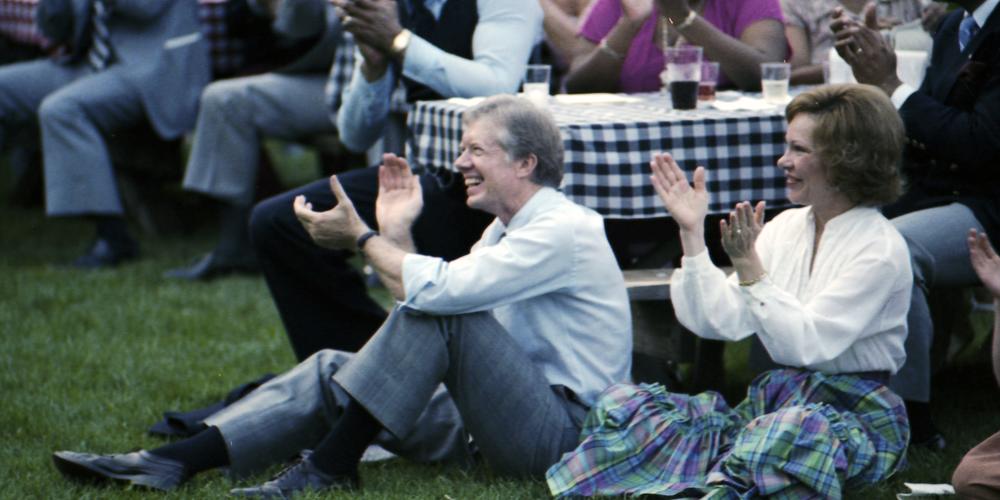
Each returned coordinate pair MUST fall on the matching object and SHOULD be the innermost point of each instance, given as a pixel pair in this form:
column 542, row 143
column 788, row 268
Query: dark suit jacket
column 953, row 126
column 159, row 49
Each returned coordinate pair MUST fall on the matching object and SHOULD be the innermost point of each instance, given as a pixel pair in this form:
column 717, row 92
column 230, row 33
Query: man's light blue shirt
column 551, row 280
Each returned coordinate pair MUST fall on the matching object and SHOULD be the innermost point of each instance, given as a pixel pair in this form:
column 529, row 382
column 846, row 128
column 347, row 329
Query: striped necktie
column 966, row 31
column 101, row 54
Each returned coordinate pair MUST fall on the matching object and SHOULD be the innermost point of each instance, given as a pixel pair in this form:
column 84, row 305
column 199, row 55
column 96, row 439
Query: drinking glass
column 774, row 81
column 536, row 83
column 709, row 78
column 682, row 74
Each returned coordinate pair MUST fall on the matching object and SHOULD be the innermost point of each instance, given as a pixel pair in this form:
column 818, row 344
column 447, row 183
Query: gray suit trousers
column 75, row 109
column 494, row 393
column 296, row 410
column 236, row 115
column 520, row 424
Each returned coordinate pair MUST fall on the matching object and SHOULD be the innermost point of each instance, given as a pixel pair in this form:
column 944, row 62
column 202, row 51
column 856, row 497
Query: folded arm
column 527, row 262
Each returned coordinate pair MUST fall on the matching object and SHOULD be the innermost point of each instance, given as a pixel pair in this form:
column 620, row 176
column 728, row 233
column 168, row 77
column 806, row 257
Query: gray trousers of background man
column 937, row 239
column 234, row 118
column 76, row 108
column 520, row 424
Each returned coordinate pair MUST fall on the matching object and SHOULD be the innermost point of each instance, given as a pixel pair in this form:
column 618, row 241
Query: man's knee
column 223, row 97
column 61, row 107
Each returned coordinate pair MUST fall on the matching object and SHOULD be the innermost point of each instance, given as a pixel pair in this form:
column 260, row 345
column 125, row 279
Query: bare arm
column 762, row 41
column 599, row 69
column 561, row 22
column 803, row 69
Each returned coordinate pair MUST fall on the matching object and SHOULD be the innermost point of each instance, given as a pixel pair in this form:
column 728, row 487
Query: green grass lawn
column 91, row 359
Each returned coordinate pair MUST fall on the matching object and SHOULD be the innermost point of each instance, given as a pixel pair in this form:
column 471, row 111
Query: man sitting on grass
column 523, row 332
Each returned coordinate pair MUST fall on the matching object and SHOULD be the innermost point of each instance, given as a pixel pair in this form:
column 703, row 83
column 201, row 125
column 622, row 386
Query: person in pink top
column 627, row 36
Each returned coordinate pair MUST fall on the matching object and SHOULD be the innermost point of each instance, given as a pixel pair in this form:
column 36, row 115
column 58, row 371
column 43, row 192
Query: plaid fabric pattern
column 227, row 53
column 340, row 72
column 798, row 434
column 609, row 146
column 17, row 22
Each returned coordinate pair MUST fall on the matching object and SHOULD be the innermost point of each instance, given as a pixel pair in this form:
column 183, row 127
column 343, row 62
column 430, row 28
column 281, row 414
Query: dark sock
column 339, row 453
column 114, row 230
column 921, row 425
column 203, row 451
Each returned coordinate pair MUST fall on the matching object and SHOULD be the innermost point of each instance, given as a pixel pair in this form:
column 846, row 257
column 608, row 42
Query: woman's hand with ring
column 739, row 233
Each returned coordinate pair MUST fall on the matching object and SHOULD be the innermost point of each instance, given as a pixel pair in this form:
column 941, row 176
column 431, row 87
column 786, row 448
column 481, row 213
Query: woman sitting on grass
column 977, row 477
column 825, row 288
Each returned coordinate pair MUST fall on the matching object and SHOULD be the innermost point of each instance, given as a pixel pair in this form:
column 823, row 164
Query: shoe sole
column 85, row 473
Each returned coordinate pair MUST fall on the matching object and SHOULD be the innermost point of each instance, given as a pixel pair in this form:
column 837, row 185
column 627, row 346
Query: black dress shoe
column 103, row 254
column 140, row 468
column 299, row 477
column 210, row 266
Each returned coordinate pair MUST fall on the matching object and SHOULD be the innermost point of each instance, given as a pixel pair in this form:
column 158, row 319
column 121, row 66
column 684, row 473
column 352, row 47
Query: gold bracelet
column 692, row 15
column 610, row 51
column 754, row 281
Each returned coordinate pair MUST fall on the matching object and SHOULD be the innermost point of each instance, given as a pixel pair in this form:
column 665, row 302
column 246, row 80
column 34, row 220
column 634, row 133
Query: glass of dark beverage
column 681, row 75
column 709, row 77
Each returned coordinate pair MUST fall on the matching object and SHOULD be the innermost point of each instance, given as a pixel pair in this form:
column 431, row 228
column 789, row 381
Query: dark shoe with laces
column 139, row 468
column 299, row 477
column 102, row 254
column 211, row 266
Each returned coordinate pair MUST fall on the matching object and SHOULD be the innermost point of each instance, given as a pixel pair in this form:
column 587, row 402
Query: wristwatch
column 400, row 42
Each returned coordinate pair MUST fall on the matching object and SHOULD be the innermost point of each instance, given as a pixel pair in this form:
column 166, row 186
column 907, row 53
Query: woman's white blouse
column 846, row 314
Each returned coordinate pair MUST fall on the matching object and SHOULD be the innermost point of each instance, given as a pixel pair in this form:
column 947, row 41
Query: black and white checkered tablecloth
column 609, row 146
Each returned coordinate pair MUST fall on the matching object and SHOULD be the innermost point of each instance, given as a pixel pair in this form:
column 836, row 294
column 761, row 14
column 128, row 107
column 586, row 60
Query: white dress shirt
column 551, row 280
column 504, row 37
column 848, row 314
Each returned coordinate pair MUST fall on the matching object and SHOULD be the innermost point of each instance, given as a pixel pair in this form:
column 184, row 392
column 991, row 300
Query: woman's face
column 806, row 182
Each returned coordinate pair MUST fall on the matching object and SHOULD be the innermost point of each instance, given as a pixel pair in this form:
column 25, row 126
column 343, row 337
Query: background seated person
column 626, row 39
column 523, row 333
column 977, row 476
column 825, row 289
column 237, row 114
column 128, row 62
column 950, row 160
column 437, row 49
column 807, row 26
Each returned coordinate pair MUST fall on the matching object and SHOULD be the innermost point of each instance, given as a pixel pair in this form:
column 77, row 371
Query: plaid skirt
column 798, row 434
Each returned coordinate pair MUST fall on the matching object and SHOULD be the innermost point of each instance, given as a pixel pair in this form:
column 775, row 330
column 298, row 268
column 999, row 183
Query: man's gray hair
column 524, row 129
